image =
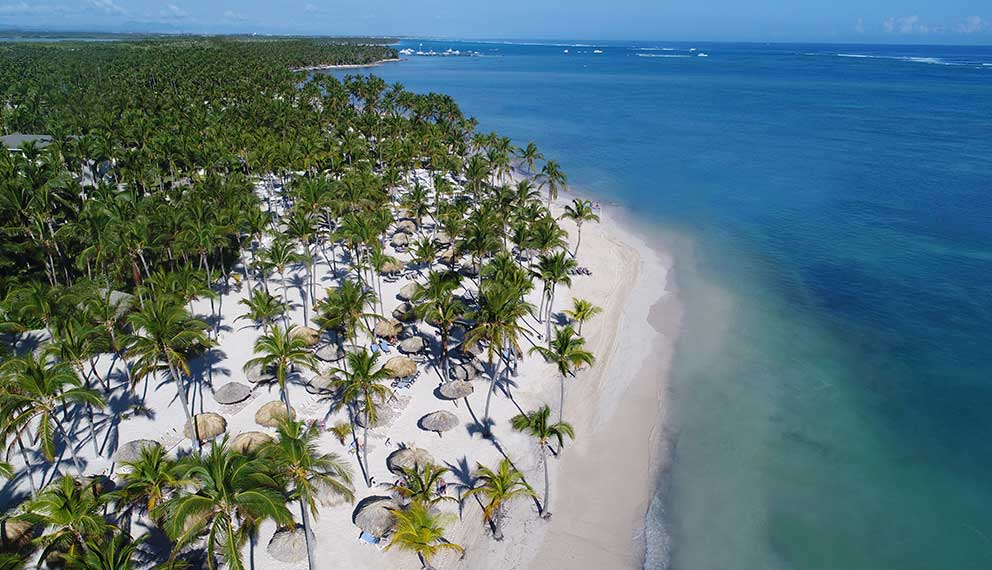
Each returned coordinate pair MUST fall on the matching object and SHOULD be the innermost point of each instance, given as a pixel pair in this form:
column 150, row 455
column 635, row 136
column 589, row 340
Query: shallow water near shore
column 832, row 385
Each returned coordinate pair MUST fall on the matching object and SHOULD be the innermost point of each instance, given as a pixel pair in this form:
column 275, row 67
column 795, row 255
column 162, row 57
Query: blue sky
column 886, row 21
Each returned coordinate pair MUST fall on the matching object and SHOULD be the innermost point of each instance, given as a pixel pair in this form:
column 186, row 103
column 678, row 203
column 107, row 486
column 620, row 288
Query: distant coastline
column 347, row 66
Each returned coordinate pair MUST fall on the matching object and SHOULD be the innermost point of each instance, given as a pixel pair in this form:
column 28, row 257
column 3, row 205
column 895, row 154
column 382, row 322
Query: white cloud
column 108, row 6
column 311, row 8
column 24, row 8
column 973, row 25
column 233, row 16
column 905, row 25
column 859, row 26
column 173, row 12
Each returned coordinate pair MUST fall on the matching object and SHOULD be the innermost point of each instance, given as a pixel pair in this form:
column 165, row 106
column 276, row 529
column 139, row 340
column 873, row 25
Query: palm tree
column 361, row 389
column 553, row 177
column 35, row 394
column 71, row 514
column 164, row 336
column 233, row 492
column 580, row 211
column 420, row 531
column 296, row 457
column 280, row 255
column 116, row 552
column 567, row 352
column 530, row 155
column 420, row 484
column 581, row 311
column 554, row 269
column 263, row 308
column 148, row 481
column 497, row 489
column 437, row 305
column 282, row 350
column 346, row 309
column 537, row 425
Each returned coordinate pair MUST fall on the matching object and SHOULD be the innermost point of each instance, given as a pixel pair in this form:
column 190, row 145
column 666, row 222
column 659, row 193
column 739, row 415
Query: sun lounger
column 383, row 346
column 368, row 539
column 374, row 347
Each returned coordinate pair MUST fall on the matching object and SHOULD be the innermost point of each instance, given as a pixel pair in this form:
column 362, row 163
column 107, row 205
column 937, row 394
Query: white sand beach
column 601, row 484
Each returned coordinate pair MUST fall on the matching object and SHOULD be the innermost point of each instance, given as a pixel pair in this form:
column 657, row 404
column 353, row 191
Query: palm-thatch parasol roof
column 439, row 421
column 384, row 415
column 374, row 515
column 406, row 226
column 408, row 458
column 392, row 266
column 288, row 545
column 400, row 239
column 456, row 389
column 404, row 312
column 408, row 291
column 309, row 335
column 462, row 372
column 249, row 441
column 329, row 353
column 448, row 256
column 208, row 426
column 232, row 393
column 322, row 384
column 400, row 367
column 442, row 238
column 270, row 414
column 326, row 494
column 257, row 375
column 413, row 345
column 15, row 534
column 470, row 269
column 131, row 451
column 388, row 327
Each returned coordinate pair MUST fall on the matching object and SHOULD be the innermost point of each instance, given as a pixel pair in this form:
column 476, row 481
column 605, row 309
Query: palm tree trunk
column 578, row 241
column 489, row 396
column 306, row 533
column 365, row 449
column 184, row 400
column 546, row 511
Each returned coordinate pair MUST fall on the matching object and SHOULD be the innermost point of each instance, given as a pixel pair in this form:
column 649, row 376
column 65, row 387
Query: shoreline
column 346, row 66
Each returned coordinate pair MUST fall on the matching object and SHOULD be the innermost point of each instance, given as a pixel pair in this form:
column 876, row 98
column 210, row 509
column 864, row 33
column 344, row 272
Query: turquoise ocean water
column 832, row 396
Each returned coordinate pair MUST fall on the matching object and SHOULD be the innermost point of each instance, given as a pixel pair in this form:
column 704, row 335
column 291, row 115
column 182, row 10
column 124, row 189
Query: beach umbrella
column 16, row 534
column 384, row 415
column 408, row 458
column 456, row 389
column 470, row 269
column 270, row 414
column 400, row 367
column 442, row 238
column 249, row 441
column 406, row 226
column 131, row 451
column 329, row 353
column 404, row 312
column 440, row 421
column 321, row 384
column 412, row 345
column 326, row 494
column 232, row 393
column 448, row 256
column 400, row 239
column 462, row 372
column 288, row 545
column 392, row 266
column 257, row 375
column 309, row 335
column 374, row 515
column 386, row 328
column 408, row 291
column 208, row 426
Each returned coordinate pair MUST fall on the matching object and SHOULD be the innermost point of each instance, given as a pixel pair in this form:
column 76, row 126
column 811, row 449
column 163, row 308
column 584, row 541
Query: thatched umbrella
column 456, row 389
column 413, row 345
column 249, row 441
column 400, row 367
column 270, row 414
column 392, row 266
column 439, row 421
column 329, row 353
column 374, row 515
column 208, row 426
column 448, row 256
column 408, row 458
column 400, row 239
column 257, row 375
column 322, row 384
column 15, row 534
column 462, row 372
column 288, row 545
column 408, row 291
column 131, row 451
column 326, row 494
column 406, row 226
column 232, row 393
column 386, row 328
column 404, row 312
column 309, row 335
column 384, row 415
column 470, row 269
column 442, row 238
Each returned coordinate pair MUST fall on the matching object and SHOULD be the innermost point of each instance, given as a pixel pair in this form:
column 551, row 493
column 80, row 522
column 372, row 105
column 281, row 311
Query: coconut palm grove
column 169, row 203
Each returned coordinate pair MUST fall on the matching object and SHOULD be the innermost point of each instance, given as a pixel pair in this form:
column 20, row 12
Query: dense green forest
column 176, row 166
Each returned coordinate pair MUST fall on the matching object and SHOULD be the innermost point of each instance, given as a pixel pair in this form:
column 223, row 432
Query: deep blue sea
column 830, row 207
